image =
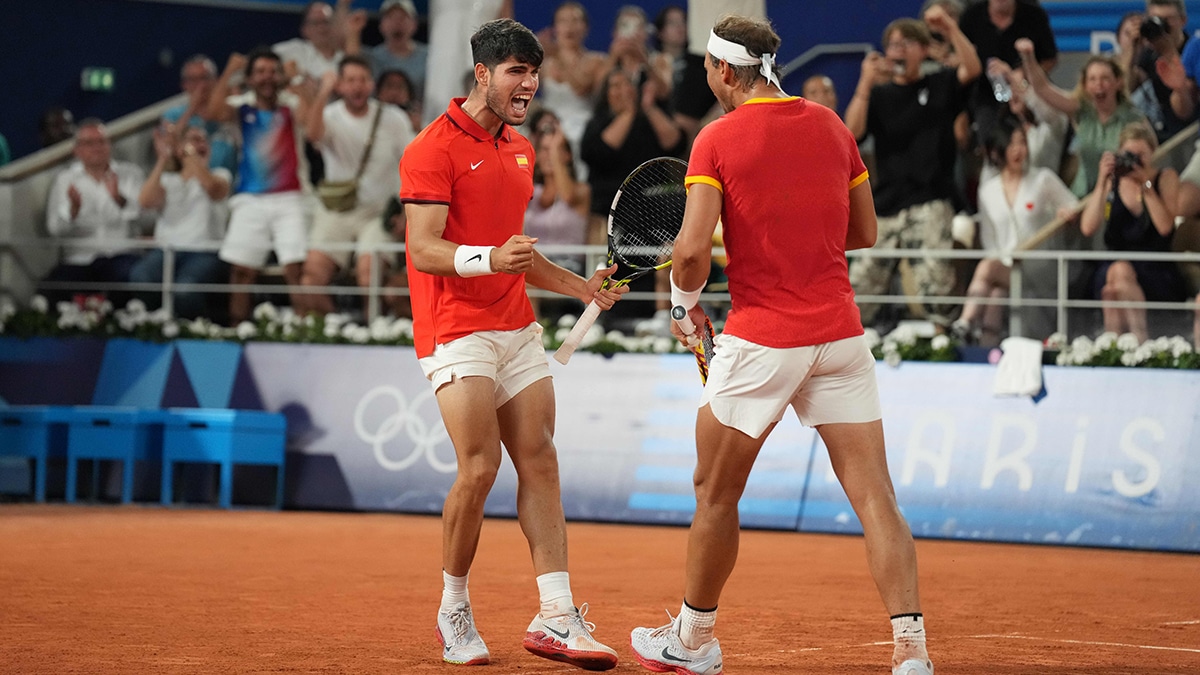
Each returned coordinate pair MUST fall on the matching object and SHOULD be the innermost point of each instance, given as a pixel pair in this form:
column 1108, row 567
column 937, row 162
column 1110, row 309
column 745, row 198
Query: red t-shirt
column 487, row 181
column 785, row 168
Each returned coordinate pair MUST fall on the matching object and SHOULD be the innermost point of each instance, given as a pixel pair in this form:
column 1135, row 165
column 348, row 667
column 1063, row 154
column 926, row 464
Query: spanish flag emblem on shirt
column 522, row 161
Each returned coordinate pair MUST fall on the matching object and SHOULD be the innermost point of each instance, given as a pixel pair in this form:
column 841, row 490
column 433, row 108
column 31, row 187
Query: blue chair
column 225, row 438
column 126, row 435
column 28, row 432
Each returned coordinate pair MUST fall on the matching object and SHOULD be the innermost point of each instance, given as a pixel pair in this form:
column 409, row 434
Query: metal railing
column 376, row 292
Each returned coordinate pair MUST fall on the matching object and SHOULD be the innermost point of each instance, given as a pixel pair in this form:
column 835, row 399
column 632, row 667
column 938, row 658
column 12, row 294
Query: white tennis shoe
column 661, row 650
column 914, row 667
column 460, row 640
column 568, row 638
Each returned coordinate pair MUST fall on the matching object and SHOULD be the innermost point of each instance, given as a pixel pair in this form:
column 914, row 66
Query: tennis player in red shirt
column 784, row 176
column 466, row 181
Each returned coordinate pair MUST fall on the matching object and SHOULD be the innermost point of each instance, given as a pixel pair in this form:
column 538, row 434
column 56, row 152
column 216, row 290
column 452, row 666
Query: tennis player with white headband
column 785, row 177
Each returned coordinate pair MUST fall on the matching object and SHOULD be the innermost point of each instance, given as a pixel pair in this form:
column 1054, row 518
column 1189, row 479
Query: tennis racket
column 643, row 221
column 703, row 349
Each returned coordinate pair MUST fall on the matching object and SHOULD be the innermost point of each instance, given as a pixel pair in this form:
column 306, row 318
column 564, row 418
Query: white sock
column 908, row 634
column 696, row 625
column 454, row 590
column 554, row 590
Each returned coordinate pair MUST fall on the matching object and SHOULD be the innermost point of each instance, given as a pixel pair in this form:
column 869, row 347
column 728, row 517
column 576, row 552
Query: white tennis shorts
column 258, row 223
column 513, row 359
column 750, row 386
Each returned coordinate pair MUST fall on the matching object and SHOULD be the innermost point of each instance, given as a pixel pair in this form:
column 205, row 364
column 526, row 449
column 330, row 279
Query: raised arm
column 152, row 195
column 665, row 129
column 1042, row 86
column 218, row 109
column 939, row 21
column 1092, row 217
column 314, row 123
column 860, row 104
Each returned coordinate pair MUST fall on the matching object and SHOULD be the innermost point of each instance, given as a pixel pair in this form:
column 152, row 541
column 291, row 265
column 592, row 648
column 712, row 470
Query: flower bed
column 96, row 317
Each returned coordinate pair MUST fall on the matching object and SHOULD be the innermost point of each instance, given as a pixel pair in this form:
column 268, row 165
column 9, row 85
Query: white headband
column 736, row 55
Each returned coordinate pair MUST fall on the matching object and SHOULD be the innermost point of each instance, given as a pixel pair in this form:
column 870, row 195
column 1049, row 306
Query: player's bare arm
column 864, row 228
column 432, row 254
column 555, row 278
column 692, row 255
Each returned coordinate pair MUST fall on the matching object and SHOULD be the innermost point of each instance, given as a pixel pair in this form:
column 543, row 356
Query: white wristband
column 682, row 298
column 473, row 261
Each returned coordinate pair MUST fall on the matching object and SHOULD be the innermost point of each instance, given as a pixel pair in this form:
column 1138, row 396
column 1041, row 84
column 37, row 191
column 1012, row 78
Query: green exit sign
column 97, row 79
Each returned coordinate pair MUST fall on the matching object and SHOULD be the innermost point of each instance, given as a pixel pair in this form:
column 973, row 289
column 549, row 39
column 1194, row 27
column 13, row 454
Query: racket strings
column 648, row 214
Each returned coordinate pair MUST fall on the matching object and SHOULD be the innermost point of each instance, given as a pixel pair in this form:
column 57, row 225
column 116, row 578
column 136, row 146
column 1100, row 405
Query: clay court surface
column 149, row 590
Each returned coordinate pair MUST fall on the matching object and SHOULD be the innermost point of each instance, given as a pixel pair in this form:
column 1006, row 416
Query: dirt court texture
column 149, row 590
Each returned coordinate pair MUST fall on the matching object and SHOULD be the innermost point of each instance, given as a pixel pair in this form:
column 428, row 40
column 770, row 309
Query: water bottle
column 1000, row 88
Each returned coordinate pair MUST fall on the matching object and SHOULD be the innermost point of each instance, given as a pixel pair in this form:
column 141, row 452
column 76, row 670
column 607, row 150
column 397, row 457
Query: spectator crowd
column 285, row 159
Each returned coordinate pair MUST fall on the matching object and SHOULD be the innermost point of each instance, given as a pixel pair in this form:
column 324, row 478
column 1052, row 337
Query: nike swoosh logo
column 671, row 657
column 562, row 635
column 477, row 256
column 476, row 165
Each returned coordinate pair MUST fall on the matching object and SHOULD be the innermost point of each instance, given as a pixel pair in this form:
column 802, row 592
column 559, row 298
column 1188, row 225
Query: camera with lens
column 1125, row 162
column 1153, row 28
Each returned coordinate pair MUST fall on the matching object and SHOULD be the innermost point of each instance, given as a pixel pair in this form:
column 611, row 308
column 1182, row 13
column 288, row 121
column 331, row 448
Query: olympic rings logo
column 406, row 419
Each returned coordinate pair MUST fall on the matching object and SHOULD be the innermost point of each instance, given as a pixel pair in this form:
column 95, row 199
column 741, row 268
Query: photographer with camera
column 1167, row 97
column 1134, row 202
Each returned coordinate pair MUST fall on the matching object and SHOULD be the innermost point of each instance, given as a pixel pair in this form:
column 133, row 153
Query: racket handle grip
column 680, row 315
column 582, row 326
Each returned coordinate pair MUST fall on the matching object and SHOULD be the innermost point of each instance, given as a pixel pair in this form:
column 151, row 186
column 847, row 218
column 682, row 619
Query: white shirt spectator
column 189, row 215
column 308, row 60
column 101, row 222
column 345, row 140
column 1003, row 227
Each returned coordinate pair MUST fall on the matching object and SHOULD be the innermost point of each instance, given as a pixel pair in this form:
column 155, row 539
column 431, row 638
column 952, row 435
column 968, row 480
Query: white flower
column 63, row 307
column 170, row 330
column 336, row 319
column 135, row 306
column 1129, row 359
column 65, row 321
column 106, row 307
column 246, row 330
column 381, row 329
column 890, row 347
column 872, row 337
column 265, row 312
column 1063, row 359
column 561, row 334
column 92, row 302
column 360, row 334
column 567, row 320
column 331, row 330
column 7, row 308
column 126, row 321
column 1056, row 341
column 663, row 345
column 214, row 331
column 1106, row 340
column 288, row 330
column 1128, row 342
column 348, row 330
column 940, row 342
column 1081, row 344
column 198, row 326
column 905, row 334
column 39, row 304
column 158, row 317
column 1179, row 347
column 892, row 358
column 401, row 328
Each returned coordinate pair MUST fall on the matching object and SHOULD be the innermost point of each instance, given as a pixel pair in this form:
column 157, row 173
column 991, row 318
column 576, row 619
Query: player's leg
column 464, row 403
column 842, row 401
column 857, row 454
column 558, row 631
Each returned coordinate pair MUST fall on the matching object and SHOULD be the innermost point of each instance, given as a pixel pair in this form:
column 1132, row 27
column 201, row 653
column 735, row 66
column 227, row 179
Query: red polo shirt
column 487, row 181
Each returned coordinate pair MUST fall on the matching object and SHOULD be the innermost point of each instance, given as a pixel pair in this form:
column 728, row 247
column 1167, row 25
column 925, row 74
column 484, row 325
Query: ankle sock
column 696, row 625
column 554, row 591
column 908, row 635
column 454, row 590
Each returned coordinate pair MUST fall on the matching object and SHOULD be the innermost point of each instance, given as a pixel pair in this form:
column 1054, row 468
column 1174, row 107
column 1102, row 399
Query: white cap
column 405, row 5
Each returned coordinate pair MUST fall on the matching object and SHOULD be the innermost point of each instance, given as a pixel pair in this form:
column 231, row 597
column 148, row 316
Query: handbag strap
column 370, row 143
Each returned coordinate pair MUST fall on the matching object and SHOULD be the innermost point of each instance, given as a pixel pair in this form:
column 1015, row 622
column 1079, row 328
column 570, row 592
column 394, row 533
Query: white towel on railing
column 1019, row 372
